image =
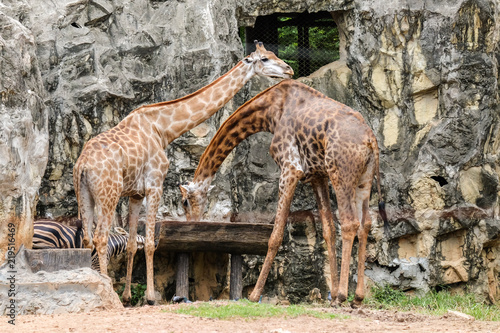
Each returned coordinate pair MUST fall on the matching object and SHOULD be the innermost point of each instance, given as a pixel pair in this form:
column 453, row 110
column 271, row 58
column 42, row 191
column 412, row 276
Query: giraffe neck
column 260, row 114
column 173, row 118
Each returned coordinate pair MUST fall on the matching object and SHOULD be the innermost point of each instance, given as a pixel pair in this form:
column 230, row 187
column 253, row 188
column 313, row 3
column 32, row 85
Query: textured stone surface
column 424, row 75
column 62, row 291
column 24, row 138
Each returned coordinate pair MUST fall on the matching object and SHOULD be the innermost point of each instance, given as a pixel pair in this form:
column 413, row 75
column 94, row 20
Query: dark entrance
column 306, row 41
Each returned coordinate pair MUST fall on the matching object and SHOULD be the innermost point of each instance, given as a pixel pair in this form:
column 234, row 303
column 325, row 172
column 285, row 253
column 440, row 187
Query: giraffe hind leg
column 320, row 187
column 134, row 209
column 363, row 238
column 101, row 246
column 362, row 201
column 106, row 210
column 86, row 207
column 349, row 224
column 153, row 201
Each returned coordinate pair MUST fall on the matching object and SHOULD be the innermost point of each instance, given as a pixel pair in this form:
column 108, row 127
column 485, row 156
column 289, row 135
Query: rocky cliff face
column 23, row 133
column 424, row 75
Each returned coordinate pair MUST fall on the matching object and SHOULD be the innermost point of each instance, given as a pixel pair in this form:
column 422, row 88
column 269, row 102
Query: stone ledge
column 63, row 291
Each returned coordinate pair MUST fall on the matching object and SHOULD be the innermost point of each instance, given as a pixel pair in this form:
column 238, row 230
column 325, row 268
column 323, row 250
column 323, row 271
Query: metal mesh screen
column 304, row 41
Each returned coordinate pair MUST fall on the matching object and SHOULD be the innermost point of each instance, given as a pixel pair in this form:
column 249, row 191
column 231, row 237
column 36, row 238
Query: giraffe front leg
column 273, row 246
column 288, row 182
column 134, row 209
column 320, row 187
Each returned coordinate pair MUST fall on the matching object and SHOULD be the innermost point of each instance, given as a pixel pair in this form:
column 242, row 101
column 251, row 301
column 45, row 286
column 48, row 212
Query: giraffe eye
column 264, row 59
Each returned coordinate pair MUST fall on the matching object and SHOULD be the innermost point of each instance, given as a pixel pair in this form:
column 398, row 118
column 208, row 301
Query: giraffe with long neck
column 314, row 139
column 130, row 160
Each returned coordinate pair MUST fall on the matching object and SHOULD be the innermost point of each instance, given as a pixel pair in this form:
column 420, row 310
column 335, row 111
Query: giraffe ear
column 184, row 190
column 259, row 47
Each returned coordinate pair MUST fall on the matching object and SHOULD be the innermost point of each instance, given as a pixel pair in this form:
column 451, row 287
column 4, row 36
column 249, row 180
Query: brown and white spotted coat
column 315, row 139
column 129, row 159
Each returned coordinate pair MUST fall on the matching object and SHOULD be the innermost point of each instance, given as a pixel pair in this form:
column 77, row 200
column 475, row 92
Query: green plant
column 387, row 295
column 433, row 303
column 138, row 290
column 137, row 293
column 248, row 310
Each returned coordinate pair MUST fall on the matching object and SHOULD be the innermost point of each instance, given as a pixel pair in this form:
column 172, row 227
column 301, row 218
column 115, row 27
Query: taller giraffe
column 315, row 139
column 129, row 159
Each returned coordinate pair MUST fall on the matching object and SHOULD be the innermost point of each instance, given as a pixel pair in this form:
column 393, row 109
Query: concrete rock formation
column 424, row 74
column 61, row 291
column 24, row 139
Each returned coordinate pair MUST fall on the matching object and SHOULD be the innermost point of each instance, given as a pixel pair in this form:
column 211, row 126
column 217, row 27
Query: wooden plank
column 51, row 260
column 226, row 237
column 236, row 278
column 182, row 275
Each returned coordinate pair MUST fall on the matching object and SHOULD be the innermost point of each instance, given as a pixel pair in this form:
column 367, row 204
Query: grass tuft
column 432, row 303
column 382, row 297
column 249, row 310
column 138, row 291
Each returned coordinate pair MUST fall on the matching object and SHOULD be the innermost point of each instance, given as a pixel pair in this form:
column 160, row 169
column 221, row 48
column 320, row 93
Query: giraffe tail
column 77, row 177
column 381, row 202
column 79, row 235
column 78, row 171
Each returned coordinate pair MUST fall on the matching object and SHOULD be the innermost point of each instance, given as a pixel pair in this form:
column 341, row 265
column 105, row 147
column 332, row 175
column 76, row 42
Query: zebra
column 51, row 235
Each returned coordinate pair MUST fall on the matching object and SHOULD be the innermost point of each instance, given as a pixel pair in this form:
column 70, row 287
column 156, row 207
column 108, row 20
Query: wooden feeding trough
column 235, row 238
column 51, row 260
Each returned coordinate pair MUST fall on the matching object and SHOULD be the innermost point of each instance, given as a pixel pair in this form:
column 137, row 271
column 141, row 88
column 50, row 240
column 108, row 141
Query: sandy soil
column 158, row 319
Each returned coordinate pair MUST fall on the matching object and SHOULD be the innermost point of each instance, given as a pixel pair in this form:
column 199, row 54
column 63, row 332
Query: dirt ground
column 158, row 319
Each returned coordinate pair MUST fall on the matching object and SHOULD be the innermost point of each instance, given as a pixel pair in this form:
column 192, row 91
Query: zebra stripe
column 49, row 234
column 52, row 235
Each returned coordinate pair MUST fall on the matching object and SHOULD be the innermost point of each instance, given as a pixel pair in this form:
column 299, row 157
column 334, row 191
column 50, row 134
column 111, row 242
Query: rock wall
column 424, row 75
column 24, row 138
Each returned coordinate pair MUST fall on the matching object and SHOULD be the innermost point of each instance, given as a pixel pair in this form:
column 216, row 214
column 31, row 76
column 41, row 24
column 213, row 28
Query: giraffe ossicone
column 130, row 160
column 315, row 139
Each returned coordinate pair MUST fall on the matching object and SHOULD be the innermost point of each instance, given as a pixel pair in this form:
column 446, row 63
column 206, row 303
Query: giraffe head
column 266, row 63
column 194, row 199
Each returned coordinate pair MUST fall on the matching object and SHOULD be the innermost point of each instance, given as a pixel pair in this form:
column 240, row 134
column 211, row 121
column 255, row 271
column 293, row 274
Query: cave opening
column 305, row 41
column 441, row 180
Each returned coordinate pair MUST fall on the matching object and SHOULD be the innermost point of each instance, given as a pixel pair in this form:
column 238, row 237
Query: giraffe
column 129, row 159
column 314, row 139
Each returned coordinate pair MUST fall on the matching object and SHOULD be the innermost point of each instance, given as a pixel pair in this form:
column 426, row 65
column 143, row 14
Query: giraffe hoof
column 126, row 303
column 356, row 303
column 151, row 302
column 341, row 299
column 335, row 303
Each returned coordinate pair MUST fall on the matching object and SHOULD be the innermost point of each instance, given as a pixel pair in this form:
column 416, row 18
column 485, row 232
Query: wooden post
column 182, row 276
column 235, row 278
column 303, row 50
